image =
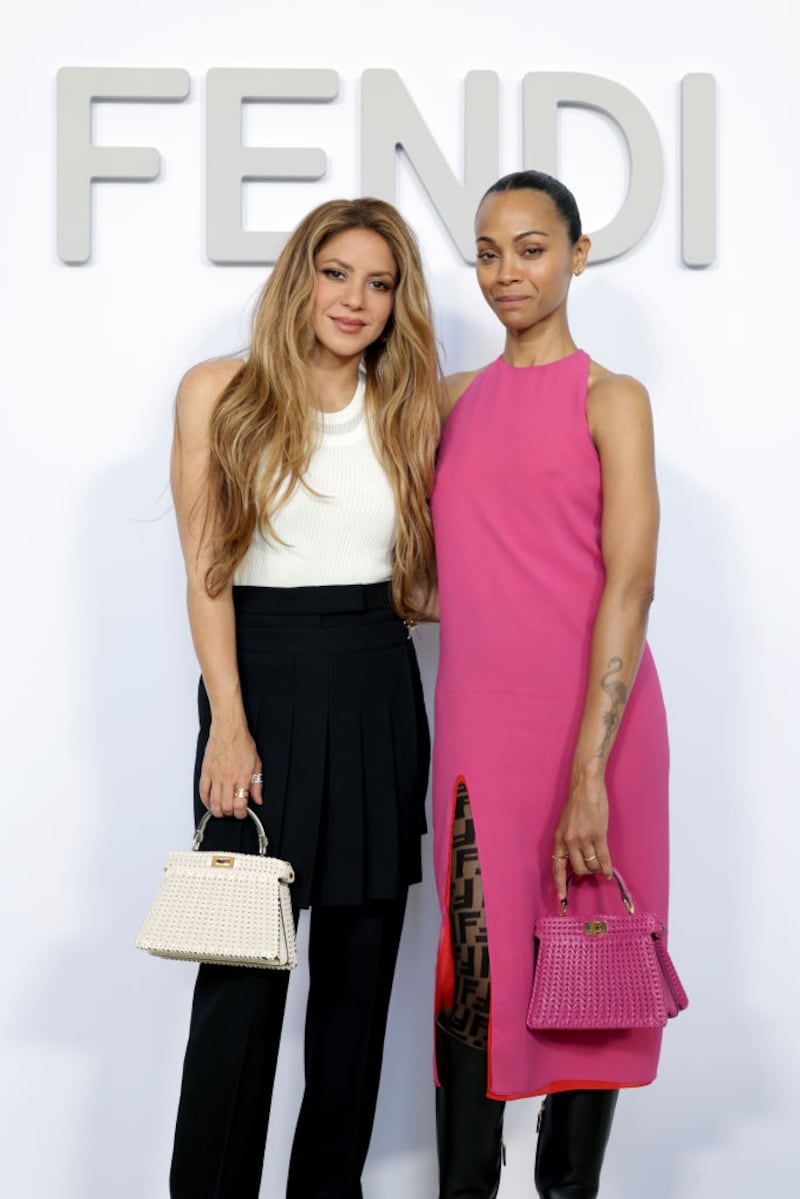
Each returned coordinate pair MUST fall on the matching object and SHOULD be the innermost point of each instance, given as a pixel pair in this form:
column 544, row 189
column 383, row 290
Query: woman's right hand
column 230, row 761
column 231, row 757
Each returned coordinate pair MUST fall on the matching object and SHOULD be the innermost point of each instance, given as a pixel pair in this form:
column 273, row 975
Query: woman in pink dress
column 551, row 743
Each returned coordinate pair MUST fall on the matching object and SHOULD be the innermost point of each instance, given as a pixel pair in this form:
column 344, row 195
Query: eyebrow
column 517, row 236
column 348, row 267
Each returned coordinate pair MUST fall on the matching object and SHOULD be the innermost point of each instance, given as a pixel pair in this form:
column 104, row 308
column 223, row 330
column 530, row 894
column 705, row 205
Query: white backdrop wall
column 98, row 671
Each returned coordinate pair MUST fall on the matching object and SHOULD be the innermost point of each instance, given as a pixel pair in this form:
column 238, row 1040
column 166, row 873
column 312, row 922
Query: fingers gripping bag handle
column 229, row 908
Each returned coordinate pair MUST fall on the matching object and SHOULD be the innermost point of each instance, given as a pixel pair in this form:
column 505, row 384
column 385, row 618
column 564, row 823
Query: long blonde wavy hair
column 264, row 429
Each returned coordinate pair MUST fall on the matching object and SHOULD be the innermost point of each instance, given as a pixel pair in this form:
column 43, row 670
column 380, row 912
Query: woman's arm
column 621, row 426
column 231, row 756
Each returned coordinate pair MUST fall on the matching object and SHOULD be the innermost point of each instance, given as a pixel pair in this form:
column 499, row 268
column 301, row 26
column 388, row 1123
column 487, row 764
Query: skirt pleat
column 380, row 773
column 334, row 702
column 342, row 831
column 302, row 810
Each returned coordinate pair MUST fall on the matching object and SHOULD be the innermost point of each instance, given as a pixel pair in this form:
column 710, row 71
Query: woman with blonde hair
column 301, row 478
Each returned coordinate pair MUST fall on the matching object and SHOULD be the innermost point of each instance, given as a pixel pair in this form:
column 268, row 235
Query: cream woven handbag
column 229, row 908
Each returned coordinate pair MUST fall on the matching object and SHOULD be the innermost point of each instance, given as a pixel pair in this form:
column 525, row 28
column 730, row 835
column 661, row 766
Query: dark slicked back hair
column 538, row 181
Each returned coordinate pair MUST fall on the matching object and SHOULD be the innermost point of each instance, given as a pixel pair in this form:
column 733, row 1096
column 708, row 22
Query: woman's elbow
column 635, row 592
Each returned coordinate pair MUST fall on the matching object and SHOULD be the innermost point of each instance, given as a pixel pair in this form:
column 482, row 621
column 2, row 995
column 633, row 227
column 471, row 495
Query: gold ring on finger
column 241, row 793
column 593, row 858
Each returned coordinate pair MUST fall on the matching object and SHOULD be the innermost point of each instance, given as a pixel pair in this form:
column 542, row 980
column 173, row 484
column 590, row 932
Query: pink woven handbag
column 607, row 972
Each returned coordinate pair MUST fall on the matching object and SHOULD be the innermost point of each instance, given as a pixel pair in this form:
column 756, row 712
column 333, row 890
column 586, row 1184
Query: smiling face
column 525, row 259
column 356, row 278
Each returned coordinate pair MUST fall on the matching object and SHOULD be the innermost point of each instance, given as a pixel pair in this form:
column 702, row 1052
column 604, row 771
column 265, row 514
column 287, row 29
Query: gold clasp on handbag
column 595, row 928
column 223, row 860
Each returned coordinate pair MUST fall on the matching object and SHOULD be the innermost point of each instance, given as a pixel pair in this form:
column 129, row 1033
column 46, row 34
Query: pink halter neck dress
column 516, row 507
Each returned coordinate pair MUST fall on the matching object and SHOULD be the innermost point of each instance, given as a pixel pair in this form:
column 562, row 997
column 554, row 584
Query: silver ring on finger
column 257, row 778
column 593, row 858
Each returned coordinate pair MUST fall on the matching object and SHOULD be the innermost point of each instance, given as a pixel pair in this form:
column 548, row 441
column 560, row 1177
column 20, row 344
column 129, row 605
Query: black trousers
column 232, row 1053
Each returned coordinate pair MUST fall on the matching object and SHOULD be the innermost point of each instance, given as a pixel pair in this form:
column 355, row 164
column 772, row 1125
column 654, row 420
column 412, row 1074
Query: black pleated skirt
column 334, row 702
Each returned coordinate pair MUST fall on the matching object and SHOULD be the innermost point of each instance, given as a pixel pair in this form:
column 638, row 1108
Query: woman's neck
column 334, row 383
column 538, row 345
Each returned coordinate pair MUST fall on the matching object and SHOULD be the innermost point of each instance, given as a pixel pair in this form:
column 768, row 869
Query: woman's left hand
column 581, row 836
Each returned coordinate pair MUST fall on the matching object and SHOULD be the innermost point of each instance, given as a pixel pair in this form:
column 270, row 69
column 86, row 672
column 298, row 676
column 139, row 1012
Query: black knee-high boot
column 469, row 1126
column 574, row 1127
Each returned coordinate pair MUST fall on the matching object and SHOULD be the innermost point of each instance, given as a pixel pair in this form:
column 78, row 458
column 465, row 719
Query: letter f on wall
column 81, row 163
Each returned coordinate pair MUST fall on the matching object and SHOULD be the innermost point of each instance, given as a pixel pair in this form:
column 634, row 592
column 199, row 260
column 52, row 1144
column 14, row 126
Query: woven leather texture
column 238, row 913
column 622, row 977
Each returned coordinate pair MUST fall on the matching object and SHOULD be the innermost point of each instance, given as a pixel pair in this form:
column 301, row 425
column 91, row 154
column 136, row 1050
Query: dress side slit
column 468, row 1018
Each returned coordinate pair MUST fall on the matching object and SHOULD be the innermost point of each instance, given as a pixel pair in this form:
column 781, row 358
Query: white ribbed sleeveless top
column 346, row 533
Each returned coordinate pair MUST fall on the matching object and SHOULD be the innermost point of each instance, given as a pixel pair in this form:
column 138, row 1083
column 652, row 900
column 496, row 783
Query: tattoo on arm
column 617, row 692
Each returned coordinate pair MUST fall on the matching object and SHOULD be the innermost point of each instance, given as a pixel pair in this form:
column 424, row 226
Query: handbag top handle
column 623, row 890
column 197, row 840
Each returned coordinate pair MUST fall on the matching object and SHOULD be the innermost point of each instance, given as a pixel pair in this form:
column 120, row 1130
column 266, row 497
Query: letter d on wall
column 543, row 93
column 81, row 163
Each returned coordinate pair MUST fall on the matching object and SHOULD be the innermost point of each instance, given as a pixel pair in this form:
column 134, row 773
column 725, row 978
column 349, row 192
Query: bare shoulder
column 200, row 389
column 607, row 388
column 204, row 383
column 454, row 387
column 616, row 402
